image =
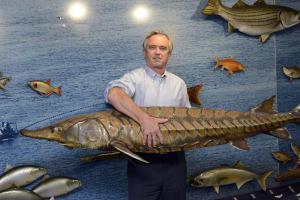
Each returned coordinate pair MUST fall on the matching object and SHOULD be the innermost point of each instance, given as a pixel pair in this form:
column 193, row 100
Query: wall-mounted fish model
column 3, row 82
column 230, row 64
column 225, row 175
column 187, row 128
column 20, row 176
column 282, row 157
column 259, row 19
column 291, row 72
column 44, row 87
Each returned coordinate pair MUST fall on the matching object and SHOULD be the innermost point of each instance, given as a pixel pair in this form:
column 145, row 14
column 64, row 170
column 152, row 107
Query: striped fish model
column 259, row 19
column 187, row 128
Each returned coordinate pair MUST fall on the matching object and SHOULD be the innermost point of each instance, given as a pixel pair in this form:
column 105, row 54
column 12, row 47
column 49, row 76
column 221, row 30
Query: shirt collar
column 153, row 74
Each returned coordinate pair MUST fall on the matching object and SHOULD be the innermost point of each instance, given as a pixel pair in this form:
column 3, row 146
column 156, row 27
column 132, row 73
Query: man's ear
column 144, row 52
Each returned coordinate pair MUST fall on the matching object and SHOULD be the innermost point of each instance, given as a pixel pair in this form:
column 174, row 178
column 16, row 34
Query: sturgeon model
column 259, row 19
column 187, row 128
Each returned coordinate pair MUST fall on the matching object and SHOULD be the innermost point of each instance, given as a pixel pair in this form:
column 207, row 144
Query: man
column 164, row 178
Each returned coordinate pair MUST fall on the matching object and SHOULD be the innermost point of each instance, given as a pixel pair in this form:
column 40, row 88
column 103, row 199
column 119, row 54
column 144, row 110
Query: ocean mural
column 82, row 45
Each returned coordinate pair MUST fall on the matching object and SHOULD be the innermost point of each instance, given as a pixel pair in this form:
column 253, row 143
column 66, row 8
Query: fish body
column 282, row 157
column 3, row 82
column 20, row 176
column 296, row 151
column 44, row 87
column 187, row 128
column 230, row 64
column 56, row 186
column 19, row 194
column 291, row 72
column 258, row 19
column 225, row 175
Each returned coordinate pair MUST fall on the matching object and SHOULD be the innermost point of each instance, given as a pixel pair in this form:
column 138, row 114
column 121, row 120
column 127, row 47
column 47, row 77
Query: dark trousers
column 162, row 179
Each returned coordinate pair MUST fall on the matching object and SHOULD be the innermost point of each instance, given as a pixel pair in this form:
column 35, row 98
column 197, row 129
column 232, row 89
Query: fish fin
column 52, row 198
column 290, row 79
column 39, row 93
column 13, row 186
column 239, row 4
column 296, row 112
column 260, row 3
column 292, row 159
column 282, row 133
column 262, row 179
column 2, row 86
column 230, row 59
column 49, row 81
column 193, row 93
column 218, row 62
column 216, row 188
column 239, row 184
column 102, row 156
column 240, row 165
column 48, row 94
column 8, row 167
column 231, row 28
column 212, row 7
column 264, row 37
column 120, row 146
column 45, row 177
column 266, row 106
column 239, row 144
column 58, row 91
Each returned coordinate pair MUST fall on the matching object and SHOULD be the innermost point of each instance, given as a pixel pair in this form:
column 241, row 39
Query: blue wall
column 38, row 41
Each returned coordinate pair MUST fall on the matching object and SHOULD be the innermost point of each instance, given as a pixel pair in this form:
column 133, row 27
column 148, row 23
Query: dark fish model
column 20, row 176
column 187, row 128
column 259, row 19
column 291, row 72
column 225, row 175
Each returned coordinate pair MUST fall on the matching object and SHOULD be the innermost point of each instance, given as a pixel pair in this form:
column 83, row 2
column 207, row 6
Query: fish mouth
column 197, row 184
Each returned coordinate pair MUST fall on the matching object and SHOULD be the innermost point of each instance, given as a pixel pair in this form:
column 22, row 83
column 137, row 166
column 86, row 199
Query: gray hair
column 158, row 32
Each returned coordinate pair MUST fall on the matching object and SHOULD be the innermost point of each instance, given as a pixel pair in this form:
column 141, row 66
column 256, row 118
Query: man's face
column 157, row 52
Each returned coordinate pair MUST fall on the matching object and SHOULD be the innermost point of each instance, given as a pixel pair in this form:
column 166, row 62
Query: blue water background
column 82, row 57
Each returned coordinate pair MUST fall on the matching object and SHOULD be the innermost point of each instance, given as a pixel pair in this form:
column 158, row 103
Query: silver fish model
column 187, row 128
column 259, row 19
column 56, row 186
column 20, row 176
column 225, row 175
column 19, row 194
column 291, row 72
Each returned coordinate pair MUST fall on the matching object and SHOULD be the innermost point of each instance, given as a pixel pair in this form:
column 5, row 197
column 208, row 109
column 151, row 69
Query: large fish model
column 187, row 128
column 259, row 19
column 225, row 175
column 20, row 176
column 291, row 72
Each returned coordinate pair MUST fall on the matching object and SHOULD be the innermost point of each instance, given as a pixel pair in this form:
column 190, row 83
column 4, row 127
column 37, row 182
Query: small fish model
column 187, row 128
column 296, row 151
column 19, row 194
column 56, row 186
column 230, row 64
column 291, row 72
column 44, row 87
column 3, row 82
column 282, row 157
column 225, row 175
column 193, row 93
column 20, row 176
column 259, row 19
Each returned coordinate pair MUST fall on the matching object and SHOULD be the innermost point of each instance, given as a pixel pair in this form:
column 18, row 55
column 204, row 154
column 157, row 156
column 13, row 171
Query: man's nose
column 157, row 50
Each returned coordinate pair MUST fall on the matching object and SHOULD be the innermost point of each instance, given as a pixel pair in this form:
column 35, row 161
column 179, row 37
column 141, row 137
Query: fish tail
column 212, row 7
column 292, row 159
column 218, row 62
column 58, row 91
column 262, row 179
column 296, row 112
column 193, row 93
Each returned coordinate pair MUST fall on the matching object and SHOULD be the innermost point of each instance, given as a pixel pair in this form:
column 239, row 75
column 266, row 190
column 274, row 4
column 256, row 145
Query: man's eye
column 152, row 47
column 163, row 48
